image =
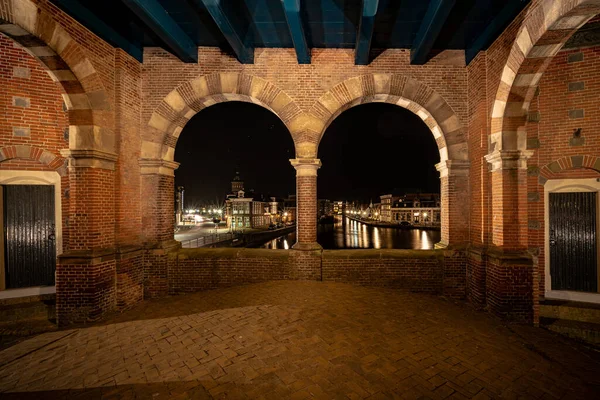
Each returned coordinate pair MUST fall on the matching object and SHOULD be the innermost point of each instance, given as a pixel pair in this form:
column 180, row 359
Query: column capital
column 508, row 159
column 90, row 158
column 453, row 167
column 158, row 167
column 306, row 166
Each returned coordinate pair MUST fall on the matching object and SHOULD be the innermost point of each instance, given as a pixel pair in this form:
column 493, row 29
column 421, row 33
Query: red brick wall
column 87, row 291
column 163, row 72
column 192, row 270
column 436, row 271
column 550, row 138
column 44, row 117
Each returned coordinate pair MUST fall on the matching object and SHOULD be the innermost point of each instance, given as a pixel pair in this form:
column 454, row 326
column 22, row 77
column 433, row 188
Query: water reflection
column 345, row 233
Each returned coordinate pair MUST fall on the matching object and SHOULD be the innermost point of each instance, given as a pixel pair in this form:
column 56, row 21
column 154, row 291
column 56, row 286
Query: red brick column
column 509, row 198
column 86, row 273
column 510, row 279
column 306, row 203
column 158, row 223
column 454, row 185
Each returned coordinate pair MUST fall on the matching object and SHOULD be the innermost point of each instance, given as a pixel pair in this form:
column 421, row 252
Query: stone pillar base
column 307, row 246
column 511, row 286
column 306, row 264
column 156, row 272
column 86, row 285
column 130, row 276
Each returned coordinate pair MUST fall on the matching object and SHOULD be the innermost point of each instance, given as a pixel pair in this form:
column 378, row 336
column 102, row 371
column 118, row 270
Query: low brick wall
column 192, row 270
column 414, row 270
column 429, row 271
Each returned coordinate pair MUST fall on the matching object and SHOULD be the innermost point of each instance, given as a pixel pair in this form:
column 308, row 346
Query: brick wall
column 192, row 270
column 432, row 271
column 32, row 117
column 570, row 83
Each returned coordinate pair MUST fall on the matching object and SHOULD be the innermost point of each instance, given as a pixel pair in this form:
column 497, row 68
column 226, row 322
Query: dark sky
column 368, row 150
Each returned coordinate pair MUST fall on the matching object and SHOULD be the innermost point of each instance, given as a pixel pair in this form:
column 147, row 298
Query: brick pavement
column 300, row 340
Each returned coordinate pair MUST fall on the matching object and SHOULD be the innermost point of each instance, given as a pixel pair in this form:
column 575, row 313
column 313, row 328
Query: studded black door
column 574, row 241
column 30, row 245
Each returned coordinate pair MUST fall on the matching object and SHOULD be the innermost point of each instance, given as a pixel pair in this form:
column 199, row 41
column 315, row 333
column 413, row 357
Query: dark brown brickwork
column 87, row 289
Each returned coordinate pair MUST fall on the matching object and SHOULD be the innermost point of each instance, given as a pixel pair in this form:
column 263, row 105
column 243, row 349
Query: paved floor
column 300, row 340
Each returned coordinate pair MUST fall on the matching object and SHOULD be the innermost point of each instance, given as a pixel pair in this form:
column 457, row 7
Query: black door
column 574, row 241
column 29, row 247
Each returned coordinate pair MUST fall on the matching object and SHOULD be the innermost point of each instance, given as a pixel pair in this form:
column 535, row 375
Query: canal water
column 345, row 233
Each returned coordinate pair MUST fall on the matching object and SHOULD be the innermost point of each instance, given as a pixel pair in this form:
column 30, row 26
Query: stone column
column 306, row 203
column 511, row 275
column 454, row 185
column 158, row 223
column 86, row 273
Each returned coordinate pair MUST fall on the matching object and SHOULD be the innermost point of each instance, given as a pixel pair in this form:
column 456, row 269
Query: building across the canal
column 246, row 209
column 415, row 208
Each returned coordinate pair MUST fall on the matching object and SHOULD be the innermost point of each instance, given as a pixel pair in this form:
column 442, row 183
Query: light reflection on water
column 345, row 233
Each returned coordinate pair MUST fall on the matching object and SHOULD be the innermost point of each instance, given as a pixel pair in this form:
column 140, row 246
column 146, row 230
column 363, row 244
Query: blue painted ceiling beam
column 156, row 18
column 430, row 28
column 365, row 32
column 294, row 21
column 493, row 29
column 244, row 53
column 100, row 28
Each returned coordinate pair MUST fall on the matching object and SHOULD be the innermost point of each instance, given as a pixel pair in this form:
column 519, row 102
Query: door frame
column 567, row 186
column 22, row 177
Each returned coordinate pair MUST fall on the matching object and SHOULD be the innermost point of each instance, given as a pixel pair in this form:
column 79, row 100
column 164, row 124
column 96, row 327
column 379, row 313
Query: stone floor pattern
column 299, row 340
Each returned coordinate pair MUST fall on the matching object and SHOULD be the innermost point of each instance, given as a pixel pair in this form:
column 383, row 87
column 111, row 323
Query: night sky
column 368, row 150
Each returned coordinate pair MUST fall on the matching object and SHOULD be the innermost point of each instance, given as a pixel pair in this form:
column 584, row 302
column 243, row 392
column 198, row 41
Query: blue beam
column 292, row 15
column 493, row 29
column 156, row 18
column 365, row 32
column 100, row 28
column 431, row 26
column 244, row 53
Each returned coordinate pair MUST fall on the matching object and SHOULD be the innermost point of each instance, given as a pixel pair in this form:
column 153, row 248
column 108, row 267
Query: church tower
column 237, row 184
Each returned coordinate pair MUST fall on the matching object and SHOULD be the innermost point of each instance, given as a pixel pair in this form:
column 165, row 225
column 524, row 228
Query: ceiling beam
column 365, row 32
column 89, row 19
column 431, row 26
column 493, row 29
column 294, row 21
column 244, row 53
column 152, row 13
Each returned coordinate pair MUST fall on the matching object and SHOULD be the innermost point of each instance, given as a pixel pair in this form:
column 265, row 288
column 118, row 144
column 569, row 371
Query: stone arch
column 546, row 28
column 586, row 161
column 182, row 103
column 67, row 64
column 33, row 153
column 435, row 112
column 400, row 90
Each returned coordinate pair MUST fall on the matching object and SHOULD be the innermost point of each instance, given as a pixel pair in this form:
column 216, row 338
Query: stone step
column 570, row 311
column 583, row 331
column 28, row 308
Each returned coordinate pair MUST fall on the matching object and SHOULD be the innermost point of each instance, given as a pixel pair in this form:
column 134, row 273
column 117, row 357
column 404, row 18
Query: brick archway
column 546, row 28
column 182, row 103
column 83, row 92
column 33, row 153
column 586, row 161
column 436, row 113
column 402, row 91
